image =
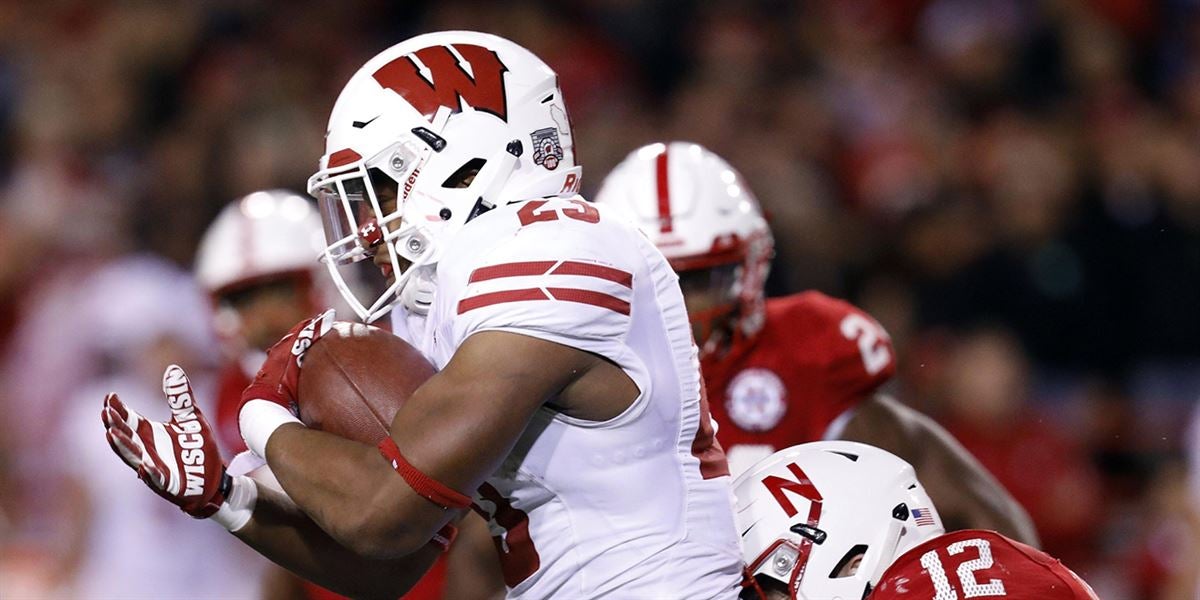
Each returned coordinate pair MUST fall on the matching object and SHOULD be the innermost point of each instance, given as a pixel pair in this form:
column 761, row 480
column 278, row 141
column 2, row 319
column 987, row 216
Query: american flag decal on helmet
column 923, row 516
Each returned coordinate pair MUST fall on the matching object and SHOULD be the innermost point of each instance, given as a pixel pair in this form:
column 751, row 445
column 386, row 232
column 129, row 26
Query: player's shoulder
column 547, row 229
column 831, row 332
column 810, row 306
column 998, row 547
column 553, row 266
column 1025, row 570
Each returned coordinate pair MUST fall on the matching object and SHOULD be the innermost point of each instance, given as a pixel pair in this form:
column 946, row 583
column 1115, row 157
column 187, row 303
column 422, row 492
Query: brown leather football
column 355, row 378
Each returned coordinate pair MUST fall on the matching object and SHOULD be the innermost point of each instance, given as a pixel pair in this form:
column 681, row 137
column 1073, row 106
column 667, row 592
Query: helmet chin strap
column 417, row 294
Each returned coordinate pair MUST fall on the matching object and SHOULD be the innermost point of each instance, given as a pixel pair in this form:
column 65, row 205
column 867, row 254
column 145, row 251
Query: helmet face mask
column 825, row 520
column 450, row 120
column 712, row 298
column 357, row 221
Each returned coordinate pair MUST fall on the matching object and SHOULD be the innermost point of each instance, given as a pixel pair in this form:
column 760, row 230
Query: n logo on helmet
column 802, row 487
column 448, row 83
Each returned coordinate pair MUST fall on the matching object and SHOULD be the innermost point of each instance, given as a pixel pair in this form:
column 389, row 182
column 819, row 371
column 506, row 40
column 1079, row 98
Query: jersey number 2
column 533, row 212
column 870, row 337
column 966, row 572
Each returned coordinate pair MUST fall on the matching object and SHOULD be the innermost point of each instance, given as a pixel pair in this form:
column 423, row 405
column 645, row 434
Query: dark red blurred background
column 1012, row 187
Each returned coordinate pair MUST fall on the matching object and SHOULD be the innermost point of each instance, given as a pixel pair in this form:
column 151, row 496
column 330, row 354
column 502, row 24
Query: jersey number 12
column 966, row 572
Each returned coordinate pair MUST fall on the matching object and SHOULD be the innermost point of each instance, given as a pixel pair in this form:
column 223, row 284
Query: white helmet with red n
column 459, row 122
column 703, row 217
column 825, row 520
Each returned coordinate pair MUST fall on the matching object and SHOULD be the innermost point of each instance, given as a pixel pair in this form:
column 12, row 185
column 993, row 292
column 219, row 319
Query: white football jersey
column 639, row 506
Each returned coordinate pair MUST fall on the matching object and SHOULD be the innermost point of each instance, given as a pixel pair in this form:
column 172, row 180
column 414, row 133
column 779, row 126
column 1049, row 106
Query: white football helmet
column 826, row 519
column 701, row 214
column 427, row 114
column 259, row 238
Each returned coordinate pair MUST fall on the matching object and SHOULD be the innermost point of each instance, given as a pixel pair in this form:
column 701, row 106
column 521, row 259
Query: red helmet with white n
column 824, row 520
column 458, row 122
column 703, row 217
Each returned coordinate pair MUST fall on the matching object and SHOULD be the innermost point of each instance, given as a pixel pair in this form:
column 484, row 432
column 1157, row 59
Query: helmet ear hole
column 847, row 566
column 464, row 175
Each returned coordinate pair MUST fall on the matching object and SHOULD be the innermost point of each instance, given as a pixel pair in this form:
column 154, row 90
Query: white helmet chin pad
column 826, row 519
column 417, row 295
column 450, row 124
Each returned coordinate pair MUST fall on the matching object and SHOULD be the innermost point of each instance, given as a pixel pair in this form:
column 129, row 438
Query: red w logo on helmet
column 449, row 84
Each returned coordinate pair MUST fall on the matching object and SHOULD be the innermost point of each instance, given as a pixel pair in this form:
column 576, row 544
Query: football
column 355, row 378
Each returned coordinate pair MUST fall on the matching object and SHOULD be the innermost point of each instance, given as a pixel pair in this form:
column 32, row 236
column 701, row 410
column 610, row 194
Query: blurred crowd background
column 1012, row 187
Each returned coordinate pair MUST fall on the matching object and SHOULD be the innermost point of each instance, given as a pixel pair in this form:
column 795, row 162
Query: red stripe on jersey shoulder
column 513, row 269
column 590, row 297
column 482, row 300
column 600, row 299
column 572, row 267
column 543, row 267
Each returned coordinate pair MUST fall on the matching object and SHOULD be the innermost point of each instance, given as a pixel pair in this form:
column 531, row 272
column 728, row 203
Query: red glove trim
column 445, row 536
column 426, row 486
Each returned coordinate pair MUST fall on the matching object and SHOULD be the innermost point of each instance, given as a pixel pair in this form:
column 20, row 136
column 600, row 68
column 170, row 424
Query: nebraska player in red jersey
column 847, row 520
column 257, row 261
column 784, row 371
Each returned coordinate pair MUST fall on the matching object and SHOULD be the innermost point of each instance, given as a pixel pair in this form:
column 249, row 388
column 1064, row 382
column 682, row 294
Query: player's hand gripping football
column 270, row 401
column 279, row 376
column 178, row 459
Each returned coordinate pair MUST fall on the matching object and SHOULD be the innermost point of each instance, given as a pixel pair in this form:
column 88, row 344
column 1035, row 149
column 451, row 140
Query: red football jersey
column 973, row 563
column 815, row 358
column 229, row 399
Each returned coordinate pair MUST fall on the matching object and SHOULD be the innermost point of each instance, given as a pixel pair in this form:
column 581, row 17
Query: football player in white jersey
column 567, row 409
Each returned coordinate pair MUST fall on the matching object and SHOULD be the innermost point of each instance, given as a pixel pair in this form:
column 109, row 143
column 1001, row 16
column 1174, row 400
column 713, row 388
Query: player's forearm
column 965, row 493
column 987, row 504
column 284, row 534
column 351, row 492
column 973, row 498
column 971, row 495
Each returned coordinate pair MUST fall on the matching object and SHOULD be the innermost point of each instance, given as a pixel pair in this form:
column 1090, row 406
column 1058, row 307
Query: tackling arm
column 455, row 429
column 966, row 495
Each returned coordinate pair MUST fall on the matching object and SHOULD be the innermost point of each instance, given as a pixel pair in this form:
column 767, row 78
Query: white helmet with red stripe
column 701, row 214
column 824, row 520
column 261, row 236
column 264, row 238
column 458, row 122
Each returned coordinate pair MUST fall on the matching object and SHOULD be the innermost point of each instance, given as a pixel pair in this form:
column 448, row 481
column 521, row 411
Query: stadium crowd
column 1011, row 187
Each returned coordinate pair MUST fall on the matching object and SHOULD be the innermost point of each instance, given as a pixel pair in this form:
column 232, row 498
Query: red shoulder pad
column 975, row 563
column 855, row 350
